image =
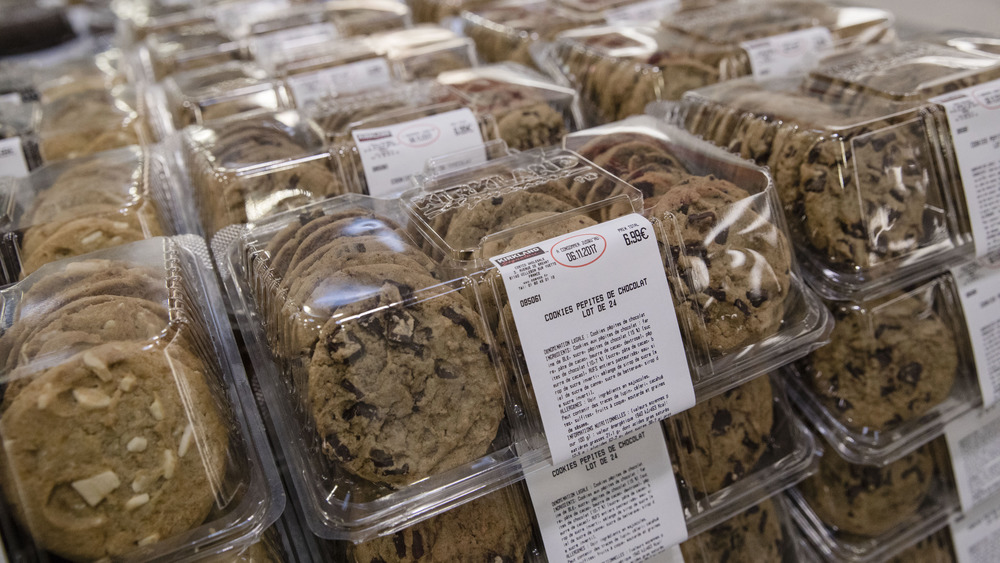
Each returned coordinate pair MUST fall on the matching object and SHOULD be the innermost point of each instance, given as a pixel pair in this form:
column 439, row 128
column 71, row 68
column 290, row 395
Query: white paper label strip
column 307, row 88
column 391, row 155
column 974, row 120
column 290, row 38
column 974, row 446
column 979, row 291
column 787, row 53
column 12, row 98
column 646, row 12
column 12, row 161
column 975, row 534
column 618, row 503
column 599, row 334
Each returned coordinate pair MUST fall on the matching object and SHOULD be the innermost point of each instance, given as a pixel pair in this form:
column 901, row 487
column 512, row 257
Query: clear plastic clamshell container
column 378, row 371
column 202, row 95
column 863, row 164
column 161, row 54
column 764, row 532
column 103, row 70
column 530, row 110
column 317, row 69
column 618, row 69
column 88, row 122
column 78, row 206
column 506, row 30
column 742, row 305
column 735, row 449
column 137, row 19
column 344, row 18
column 860, row 513
column 438, row 11
column 896, row 370
column 122, row 419
column 422, row 108
column 244, row 169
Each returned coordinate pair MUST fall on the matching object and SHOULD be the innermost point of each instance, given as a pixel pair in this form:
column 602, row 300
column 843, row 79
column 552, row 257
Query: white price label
column 344, row 79
column 12, row 161
column 974, row 120
column 979, row 292
column 974, row 446
column 290, row 38
column 646, row 12
column 599, row 334
column 975, row 534
column 617, row 503
column 12, row 98
column 391, row 155
column 788, row 53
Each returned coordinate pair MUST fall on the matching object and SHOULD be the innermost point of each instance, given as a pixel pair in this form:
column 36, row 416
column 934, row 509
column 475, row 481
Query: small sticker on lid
column 646, row 12
column 617, row 503
column 391, row 155
column 974, row 120
column 308, row 88
column 599, row 334
column 788, row 53
column 12, row 161
column 978, row 286
column 12, row 98
column 975, row 534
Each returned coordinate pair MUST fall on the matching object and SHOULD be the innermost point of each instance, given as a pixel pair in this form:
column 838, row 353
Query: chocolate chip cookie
column 721, row 440
column 889, row 360
column 753, row 536
column 389, row 377
column 495, row 528
column 867, row 500
column 733, row 265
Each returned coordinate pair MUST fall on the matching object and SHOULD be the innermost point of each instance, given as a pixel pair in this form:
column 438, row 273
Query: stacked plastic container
column 867, row 172
column 618, row 69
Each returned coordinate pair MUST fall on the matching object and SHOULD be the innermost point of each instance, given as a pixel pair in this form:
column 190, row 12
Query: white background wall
column 937, row 15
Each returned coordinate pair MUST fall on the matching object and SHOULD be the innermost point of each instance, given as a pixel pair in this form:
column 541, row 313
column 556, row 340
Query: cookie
column 494, row 528
column 889, row 361
column 722, row 439
column 468, row 226
column 123, row 460
column 753, row 536
column 935, row 548
column 283, row 245
column 867, row 500
column 82, row 236
column 532, row 126
column 733, row 266
column 389, row 377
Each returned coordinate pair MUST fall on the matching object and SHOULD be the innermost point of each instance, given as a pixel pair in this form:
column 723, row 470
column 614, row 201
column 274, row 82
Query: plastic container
column 735, row 449
column 215, row 92
column 136, row 20
column 161, row 54
column 506, row 30
column 898, row 215
column 653, row 157
column 88, row 122
column 313, row 72
column 896, row 370
column 78, row 206
column 422, row 107
column 864, row 513
column 248, row 168
column 529, row 109
column 357, row 484
column 437, row 11
column 618, row 69
column 103, row 70
column 346, row 18
column 147, row 451
column 763, row 532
